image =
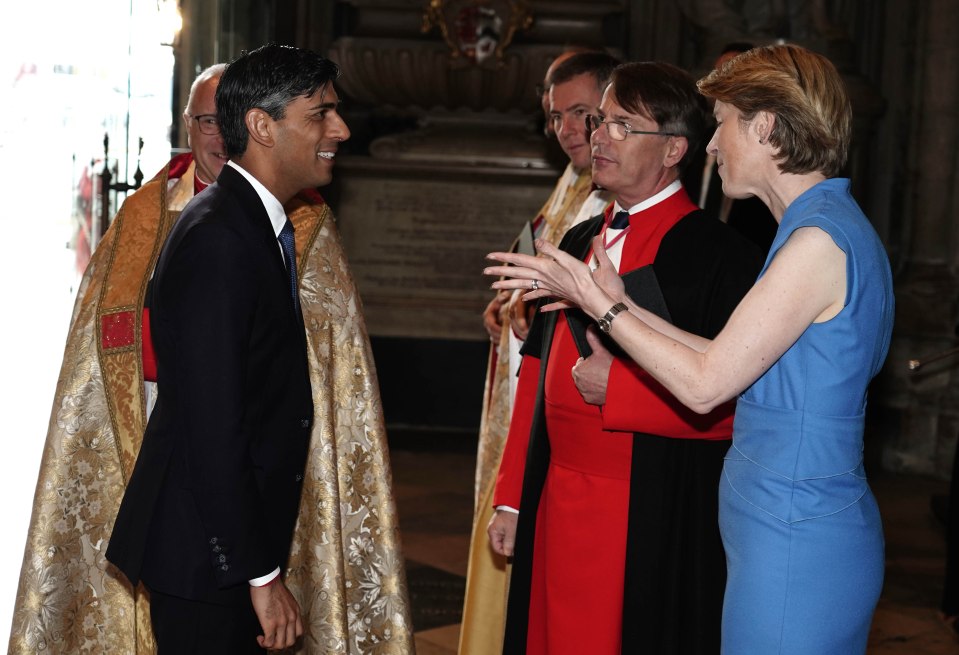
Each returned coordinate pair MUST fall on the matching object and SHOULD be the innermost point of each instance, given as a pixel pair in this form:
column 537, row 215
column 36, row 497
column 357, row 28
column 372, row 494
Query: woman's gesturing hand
column 556, row 274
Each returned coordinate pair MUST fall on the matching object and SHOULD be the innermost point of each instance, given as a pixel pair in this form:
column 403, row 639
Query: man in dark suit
column 209, row 512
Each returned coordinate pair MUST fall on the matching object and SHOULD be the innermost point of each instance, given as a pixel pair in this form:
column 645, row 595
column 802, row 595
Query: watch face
column 604, row 324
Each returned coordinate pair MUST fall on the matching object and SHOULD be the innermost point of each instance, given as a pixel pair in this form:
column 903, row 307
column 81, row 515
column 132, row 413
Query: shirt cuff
column 506, row 508
column 264, row 580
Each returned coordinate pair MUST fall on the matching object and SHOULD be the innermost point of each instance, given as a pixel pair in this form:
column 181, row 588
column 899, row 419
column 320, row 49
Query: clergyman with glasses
column 106, row 391
column 618, row 515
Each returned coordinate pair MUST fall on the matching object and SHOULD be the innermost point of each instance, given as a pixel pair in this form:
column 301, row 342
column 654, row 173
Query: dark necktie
column 288, row 243
column 620, row 220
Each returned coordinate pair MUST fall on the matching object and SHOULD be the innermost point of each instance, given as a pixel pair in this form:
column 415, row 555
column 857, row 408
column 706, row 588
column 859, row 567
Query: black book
column 524, row 243
column 643, row 288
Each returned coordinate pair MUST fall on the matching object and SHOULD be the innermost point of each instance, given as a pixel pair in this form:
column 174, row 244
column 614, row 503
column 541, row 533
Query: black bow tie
column 620, row 220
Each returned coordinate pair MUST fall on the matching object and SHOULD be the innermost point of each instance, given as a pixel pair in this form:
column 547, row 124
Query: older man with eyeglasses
column 617, row 547
column 203, row 131
column 107, row 388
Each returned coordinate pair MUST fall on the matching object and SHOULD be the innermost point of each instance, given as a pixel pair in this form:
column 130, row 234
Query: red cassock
column 579, row 549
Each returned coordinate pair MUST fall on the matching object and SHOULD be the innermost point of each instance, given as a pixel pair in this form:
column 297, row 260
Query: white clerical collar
column 653, row 200
column 273, row 207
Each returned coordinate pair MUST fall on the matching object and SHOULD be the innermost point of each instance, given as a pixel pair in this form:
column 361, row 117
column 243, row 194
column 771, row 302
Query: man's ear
column 186, row 124
column 675, row 151
column 260, row 126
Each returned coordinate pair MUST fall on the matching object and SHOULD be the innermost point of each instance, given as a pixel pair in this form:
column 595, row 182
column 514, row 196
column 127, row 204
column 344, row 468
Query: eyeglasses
column 618, row 130
column 207, row 123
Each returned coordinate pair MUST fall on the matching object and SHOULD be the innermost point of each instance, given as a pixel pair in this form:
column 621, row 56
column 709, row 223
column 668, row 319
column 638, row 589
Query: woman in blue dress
column 802, row 532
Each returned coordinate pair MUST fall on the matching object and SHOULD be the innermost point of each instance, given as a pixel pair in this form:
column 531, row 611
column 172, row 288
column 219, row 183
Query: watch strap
column 606, row 321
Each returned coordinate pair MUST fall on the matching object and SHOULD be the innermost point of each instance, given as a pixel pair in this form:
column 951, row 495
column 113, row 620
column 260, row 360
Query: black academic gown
column 675, row 568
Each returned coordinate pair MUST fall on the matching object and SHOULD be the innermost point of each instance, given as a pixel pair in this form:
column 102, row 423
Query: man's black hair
column 268, row 78
column 666, row 94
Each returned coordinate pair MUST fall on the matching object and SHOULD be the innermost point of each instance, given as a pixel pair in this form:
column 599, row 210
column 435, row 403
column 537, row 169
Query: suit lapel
column 254, row 218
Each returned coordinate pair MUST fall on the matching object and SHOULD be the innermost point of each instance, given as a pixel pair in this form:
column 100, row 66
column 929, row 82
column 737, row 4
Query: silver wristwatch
column 606, row 320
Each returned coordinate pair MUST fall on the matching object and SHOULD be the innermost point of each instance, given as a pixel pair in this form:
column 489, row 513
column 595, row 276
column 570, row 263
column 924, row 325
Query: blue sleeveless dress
column 802, row 532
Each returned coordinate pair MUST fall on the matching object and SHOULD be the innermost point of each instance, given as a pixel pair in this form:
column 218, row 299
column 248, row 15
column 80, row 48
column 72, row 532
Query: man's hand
column 591, row 375
column 502, row 532
column 520, row 315
column 493, row 314
column 279, row 615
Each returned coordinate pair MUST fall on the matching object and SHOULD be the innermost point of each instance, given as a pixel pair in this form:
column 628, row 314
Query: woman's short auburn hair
column 805, row 92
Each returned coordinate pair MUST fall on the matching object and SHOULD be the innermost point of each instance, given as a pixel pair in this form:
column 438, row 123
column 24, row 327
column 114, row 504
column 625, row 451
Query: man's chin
column 597, row 177
column 321, row 180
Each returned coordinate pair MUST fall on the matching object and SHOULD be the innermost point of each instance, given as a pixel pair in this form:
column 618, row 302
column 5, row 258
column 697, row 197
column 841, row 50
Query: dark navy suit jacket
column 214, row 495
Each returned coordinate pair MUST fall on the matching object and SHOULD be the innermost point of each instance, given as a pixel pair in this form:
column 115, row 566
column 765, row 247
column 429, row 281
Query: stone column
column 922, row 407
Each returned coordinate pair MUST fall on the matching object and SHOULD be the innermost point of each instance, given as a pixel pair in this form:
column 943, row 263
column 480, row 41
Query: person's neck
column 785, row 188
column 641, row 196
column 202, row 177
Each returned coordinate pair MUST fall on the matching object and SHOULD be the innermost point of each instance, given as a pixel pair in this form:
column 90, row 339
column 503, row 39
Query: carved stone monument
column 420, row 208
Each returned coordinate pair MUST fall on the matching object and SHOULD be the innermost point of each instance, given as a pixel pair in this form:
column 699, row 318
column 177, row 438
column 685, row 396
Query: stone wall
column 411, row 110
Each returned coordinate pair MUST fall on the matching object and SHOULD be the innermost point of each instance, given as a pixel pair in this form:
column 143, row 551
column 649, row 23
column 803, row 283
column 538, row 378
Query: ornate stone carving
column 401, row 73
column 477, row 31
column 388, row 63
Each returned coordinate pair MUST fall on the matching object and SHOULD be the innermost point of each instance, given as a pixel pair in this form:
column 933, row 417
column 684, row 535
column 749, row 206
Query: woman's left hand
column 555, row 274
